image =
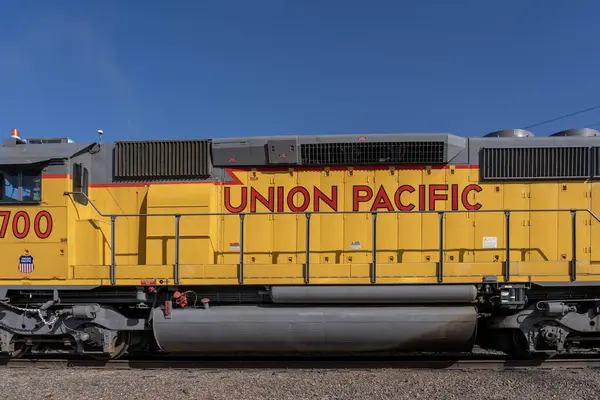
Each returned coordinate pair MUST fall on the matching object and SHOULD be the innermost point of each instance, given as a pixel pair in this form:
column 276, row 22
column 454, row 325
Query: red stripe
column 108, row 185
column 56, row 176
column 145, row 184
column 360, row 168
column 237, row 181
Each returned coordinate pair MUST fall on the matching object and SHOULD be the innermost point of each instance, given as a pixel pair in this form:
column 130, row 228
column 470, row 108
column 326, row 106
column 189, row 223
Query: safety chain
column 32, row 310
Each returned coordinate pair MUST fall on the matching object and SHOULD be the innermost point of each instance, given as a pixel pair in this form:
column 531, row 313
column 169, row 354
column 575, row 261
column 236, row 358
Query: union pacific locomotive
column 316, row 244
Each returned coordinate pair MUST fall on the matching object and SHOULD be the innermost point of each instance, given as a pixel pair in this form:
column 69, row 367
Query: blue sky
column 201, row 68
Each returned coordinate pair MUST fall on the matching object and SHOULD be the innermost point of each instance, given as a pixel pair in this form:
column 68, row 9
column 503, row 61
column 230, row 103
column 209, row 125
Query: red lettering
column 398, row 200
column 421, row 197
column 358, row 198
column 227, row 200
column 305, row 202
column 276, row 198
column 15, row 225
column 382, row 200
column 465, row 197
column 5, row 219
column 256, row 196
column 454, row 196
column 280, row 197
column 37, row 224
column 433, row 196
column 23, row 233
column 330, row 201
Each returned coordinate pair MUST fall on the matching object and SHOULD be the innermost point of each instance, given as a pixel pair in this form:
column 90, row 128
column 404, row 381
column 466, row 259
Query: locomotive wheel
column 21, row 348
column 121, row 343
column 512, row 342
column 120, row 347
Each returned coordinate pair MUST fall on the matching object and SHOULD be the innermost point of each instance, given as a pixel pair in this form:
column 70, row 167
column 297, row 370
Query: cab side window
column 20, row 186
column 10, row 187
column 31, row 186
column 80, row 183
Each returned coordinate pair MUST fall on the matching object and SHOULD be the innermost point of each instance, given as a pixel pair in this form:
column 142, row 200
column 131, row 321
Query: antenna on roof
column 100, row 133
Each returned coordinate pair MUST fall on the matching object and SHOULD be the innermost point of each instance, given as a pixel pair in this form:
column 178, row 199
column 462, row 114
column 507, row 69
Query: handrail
column 220, row 214
column 373, row 270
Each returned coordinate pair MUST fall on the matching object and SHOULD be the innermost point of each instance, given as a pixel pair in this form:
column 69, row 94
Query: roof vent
column 510, row 133
column 583, row 132
column 162, row 159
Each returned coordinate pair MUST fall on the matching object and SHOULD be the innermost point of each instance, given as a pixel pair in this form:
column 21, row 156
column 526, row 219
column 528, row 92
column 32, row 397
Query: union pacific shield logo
column 26, row 264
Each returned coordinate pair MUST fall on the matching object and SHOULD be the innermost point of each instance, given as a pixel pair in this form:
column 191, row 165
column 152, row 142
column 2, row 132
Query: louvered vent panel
column 535, row 163
column 373, row 153
column 596, row 162
column 185, row 159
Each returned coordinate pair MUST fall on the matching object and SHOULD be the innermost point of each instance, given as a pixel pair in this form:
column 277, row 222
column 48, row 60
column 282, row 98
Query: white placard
column 490, row 242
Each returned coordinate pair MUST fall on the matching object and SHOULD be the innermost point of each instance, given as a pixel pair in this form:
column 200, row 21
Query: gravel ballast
column 297, row 384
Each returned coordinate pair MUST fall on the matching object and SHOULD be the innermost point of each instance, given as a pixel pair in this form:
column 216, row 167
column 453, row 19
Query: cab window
column 20, row 186
column 80, row 183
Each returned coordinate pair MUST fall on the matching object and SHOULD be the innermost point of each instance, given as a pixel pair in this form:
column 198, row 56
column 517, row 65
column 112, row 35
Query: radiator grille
column 535, row 163
column 595, row 162
column 372, row 153
column 181, row 159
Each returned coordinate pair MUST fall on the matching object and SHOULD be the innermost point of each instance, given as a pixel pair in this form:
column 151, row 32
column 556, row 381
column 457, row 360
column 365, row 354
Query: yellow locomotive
column 326, row 243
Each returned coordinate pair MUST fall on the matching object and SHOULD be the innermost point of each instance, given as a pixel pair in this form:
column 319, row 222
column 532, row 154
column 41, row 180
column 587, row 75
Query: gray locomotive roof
column 38, row 153
column 571, row 154
column 198, row 158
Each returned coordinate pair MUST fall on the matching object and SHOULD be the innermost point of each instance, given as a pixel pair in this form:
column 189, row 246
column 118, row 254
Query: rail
column 460, row 361
column 373, row 269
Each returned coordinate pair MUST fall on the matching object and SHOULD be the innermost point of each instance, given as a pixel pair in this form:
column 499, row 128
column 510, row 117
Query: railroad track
column 301, row 362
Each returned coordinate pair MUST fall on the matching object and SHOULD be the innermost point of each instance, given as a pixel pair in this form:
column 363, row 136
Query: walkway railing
column 373, row 272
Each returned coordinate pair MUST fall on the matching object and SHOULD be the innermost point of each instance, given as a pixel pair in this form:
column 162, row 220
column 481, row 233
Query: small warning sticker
column 490, row 242
column 355, row 245
column 234, row 246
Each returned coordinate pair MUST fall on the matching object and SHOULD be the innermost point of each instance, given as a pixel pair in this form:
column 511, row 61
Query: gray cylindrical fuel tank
column 397, row 294
column 281, row 329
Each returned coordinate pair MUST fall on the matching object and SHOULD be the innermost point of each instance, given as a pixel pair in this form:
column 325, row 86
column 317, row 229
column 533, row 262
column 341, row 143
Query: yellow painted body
column 78, row 251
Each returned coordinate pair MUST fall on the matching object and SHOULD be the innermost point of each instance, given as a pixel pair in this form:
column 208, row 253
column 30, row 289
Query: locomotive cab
column 32, row 225
column 33, row 210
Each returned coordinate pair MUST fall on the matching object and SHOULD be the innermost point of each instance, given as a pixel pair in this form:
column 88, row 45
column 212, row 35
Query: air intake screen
column 372, row 153
column 184, row 159
column 535, row 163
column 596, row 162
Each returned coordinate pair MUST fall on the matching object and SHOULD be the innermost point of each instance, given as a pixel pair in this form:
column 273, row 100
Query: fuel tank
column 289, row 329
column 396, row 294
